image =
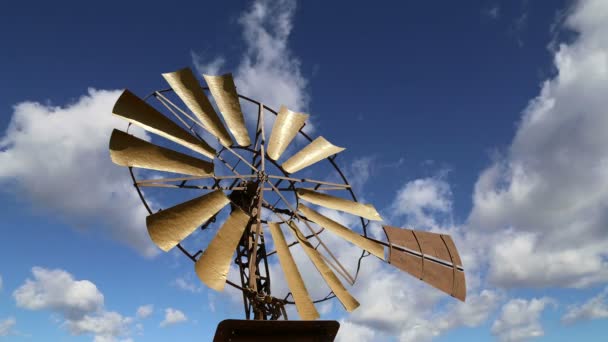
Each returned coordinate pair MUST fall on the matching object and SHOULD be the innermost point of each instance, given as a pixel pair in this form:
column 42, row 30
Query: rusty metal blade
column 347, row 300
column 170, row 226
column 304, row 305
column 138, row 112
column 127, row 150
column 224, row 92
column 345, row 233
column 430, row 257
column 337, row 203
column 284, row 130
column 186, row 86
column 213, row 266
column 314, row 152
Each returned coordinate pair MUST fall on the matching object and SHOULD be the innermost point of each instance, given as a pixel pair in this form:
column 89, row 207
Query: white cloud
column 492, row 12
column 423, row 201
column 106, row 326
column 1, row 282
column 186, row 284
column 6, row 326
column 145, row 311
column 551, row 187
column 56, row 290
column 594, row 308
column 519, row 319
column 268, row 60
column 69, row 145
column 352, row 332
column 173, row 316
column 78, row 301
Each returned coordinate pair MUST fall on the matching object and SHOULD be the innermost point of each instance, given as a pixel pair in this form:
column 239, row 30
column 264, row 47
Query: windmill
column 256, row 191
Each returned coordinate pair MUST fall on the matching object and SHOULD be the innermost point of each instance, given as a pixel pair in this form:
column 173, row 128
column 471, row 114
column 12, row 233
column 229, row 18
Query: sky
column 484, row 120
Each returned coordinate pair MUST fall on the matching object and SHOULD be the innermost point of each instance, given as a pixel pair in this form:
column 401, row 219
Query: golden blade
column 348, row 301
column 127, row 150
column 317, row 150
column 284, row 130
column 213, row 266
column 364, row 210
column 345, row 233
column 224, row 92
column 138, row 112
column 186, row 86
column 170, row 226
column 430, row 257
column 304, row 305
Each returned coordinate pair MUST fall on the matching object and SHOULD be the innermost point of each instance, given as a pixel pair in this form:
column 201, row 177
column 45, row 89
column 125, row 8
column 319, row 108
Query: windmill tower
column 256, row 183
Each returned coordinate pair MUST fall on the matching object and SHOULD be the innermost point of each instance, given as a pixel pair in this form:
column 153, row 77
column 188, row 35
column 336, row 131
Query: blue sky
column 485, row 121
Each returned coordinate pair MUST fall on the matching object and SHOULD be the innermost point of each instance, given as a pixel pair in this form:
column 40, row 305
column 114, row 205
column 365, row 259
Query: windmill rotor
column 250, row 188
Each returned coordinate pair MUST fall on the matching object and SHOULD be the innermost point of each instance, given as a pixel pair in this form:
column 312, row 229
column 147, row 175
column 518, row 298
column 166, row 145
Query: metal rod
column 306, row 180
column 347, row 275
column 157, row 180
column 261, row 176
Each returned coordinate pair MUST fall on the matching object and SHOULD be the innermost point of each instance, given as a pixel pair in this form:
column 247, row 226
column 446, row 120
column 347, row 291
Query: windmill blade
column 317, row 150
column 304, row 305
column 430, row 257
column 348, row 301
column 345, row 233
column 170, row 226
column 332, row 202
column 186, row 86
column 284, row 130
column 213, row 266
column 224, row 92
column 127, row 150
column 138, row 112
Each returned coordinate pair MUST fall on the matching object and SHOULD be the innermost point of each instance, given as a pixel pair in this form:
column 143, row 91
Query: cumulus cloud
column 78, row 301
column 551, row 187
column 423, row 201
column 58, row 291
column 106, row 326
column 144, row 311
column 173, row 316
column 519, row 319
column 7, row 325
column 594, row 308
column 69, row 145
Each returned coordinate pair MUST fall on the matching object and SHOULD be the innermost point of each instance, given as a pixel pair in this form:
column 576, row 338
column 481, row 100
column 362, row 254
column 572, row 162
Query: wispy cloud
column 7, row 325
column 595, row 308
column 267, row 71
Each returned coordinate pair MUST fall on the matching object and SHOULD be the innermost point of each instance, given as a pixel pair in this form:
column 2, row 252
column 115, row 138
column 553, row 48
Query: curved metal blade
column 348, row 301
column 317, row 150
column 213, row 266
column 186, row 86
column 224, row 92
column 345, row 233
column 285, row 128
column 170, row 226
column 364, row 210
column 138, row 112
column 127, row 150
column 430, row 257
column 304, row 305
